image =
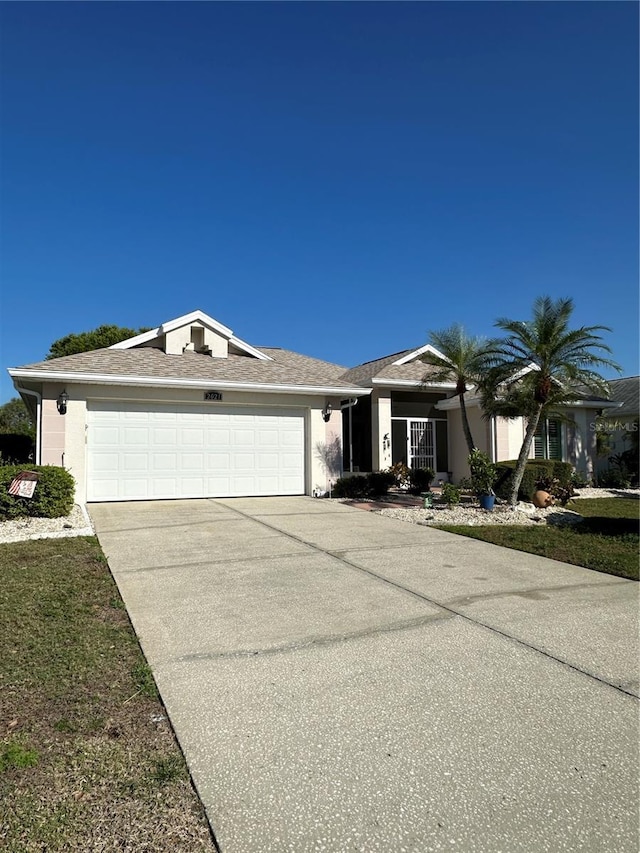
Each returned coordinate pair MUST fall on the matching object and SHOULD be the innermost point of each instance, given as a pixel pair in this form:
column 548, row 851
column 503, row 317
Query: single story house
column 189, row 410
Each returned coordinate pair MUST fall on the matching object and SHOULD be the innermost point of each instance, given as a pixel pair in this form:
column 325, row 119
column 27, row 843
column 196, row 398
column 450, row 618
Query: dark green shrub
column 380, row 482
column 375, row 484
column 351, row 487
column 52, row 498
column 420, row 480
column 613, row 478
column 535, row 470
column 15, row 448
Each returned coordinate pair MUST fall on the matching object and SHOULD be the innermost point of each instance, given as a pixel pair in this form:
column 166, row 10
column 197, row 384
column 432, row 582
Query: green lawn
column 88, row 760
column 607, row 540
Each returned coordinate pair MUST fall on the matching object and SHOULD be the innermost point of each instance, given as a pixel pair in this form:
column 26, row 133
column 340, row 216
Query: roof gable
column 199, row 319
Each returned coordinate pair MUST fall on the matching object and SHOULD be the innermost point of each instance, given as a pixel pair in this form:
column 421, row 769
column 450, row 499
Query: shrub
column 613, row 478
column 52, row 498
column 401, row 474
column 420, row 480
column 351, row 487
column 483, row 473
column 560, row 494
column 380, row 482
column 364, row 485
column 578, row 480
column 534, row 471
column 450, row 494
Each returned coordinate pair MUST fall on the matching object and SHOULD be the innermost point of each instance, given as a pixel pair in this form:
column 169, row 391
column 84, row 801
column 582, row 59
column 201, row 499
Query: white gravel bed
column 523, row 513
column 474, row 516
column 77, row 523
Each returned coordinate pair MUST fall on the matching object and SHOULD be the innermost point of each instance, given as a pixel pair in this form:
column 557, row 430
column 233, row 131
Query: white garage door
column 138, row 451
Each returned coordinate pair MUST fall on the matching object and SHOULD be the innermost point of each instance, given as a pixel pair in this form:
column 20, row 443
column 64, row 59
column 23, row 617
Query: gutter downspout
column 38, row 397
column 349, row 405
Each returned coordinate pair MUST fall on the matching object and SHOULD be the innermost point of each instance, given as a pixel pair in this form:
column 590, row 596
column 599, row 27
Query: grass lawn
column 88, row 760
column 607, row 540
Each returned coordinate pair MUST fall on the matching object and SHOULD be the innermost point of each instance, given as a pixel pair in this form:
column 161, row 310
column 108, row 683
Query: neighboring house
column 189, row 410
column 617, row 424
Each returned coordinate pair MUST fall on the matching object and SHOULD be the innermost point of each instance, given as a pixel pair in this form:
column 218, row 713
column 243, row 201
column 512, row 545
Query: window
column 547, row 441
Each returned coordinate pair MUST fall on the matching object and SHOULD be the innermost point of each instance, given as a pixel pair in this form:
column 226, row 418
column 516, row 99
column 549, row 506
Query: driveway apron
column 340, row 681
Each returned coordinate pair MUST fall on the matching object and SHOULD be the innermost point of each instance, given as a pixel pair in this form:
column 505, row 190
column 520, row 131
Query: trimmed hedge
column 534, row 470
column 52, row 498
column 363, row 485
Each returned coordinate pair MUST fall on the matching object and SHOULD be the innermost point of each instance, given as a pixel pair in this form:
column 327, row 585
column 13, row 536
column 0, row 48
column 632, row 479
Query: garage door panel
column 164, row 462
column 135, row 436
column 135, row 462
column 164, row 437
column 140, row 450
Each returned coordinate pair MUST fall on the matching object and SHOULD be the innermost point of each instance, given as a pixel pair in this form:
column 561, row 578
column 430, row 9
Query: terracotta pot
column 542, row 499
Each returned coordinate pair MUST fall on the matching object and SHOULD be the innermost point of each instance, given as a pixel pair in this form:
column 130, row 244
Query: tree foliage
column 15, row 418
column 103, row 336
column 464, row 360
column 543, row 364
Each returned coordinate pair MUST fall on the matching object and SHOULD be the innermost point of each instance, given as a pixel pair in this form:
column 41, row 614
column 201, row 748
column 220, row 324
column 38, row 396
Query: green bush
column 614, row 478
column 380, row 482
column 375, row 484
column 420, row 480
column 535, row 470
column 450, row 494
column 351, row 487
column 52, row 498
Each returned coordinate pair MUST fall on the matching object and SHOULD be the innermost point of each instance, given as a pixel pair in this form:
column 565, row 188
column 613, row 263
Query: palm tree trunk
column 465, row 424
column 518, row 474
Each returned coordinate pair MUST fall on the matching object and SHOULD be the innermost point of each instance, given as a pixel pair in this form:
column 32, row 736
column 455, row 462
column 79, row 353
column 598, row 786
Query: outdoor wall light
column 326, row 412
column 61, row 402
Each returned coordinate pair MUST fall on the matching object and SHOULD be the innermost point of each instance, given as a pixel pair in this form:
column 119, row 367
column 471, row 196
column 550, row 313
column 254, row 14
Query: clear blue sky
column 333, row 178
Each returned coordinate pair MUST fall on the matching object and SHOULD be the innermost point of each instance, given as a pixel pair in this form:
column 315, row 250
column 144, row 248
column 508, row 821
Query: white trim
column 418, row 352
column 138, row 339
column 179, row 322
column 166, row 382
column 186, row 319
column 243, row 345
column 38, row 396
column 413, row 383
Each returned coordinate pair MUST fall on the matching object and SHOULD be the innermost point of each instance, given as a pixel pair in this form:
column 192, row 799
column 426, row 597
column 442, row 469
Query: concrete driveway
column 340, row 681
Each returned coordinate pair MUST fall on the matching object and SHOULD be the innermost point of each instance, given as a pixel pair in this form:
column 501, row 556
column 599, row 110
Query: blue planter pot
column 487, row 501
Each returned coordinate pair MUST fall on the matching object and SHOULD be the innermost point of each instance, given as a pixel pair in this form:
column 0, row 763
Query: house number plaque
column 213, row 395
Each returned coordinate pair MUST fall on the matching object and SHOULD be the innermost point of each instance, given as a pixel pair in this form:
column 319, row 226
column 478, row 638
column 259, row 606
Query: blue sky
column 333, row 178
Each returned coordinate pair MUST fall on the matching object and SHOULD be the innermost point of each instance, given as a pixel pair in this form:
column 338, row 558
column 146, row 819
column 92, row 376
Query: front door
column 422, row 448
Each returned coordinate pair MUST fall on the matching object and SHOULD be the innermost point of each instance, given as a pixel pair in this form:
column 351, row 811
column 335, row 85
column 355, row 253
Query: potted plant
column 483, row 476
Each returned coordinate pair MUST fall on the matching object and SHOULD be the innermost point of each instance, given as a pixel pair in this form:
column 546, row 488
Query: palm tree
column 460, row 358
column 540, row 365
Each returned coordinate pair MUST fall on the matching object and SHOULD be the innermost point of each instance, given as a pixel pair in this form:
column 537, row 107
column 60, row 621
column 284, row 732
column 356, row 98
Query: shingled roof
column 386, row 369
column 285, row 368
column 627, row 392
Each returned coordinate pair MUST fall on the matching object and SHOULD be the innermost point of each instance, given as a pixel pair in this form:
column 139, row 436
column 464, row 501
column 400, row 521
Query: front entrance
column 420, row 443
